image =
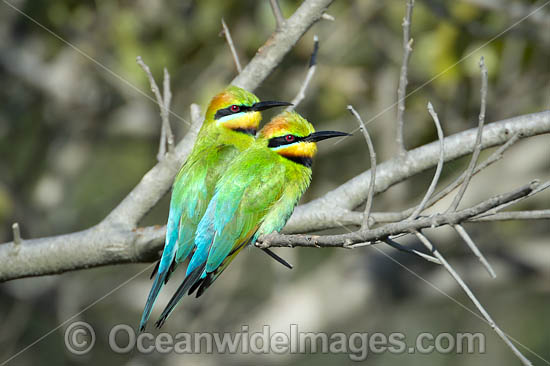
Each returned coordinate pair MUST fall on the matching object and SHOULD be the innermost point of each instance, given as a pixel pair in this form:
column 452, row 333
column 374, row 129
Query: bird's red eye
column 235, row 108
column 289, row 138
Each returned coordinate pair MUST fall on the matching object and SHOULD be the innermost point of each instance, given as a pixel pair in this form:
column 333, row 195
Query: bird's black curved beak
column 266, row 104
column 323, row 135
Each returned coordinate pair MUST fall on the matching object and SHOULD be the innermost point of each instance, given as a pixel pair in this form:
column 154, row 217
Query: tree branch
column 380, row 233
column 115, row 241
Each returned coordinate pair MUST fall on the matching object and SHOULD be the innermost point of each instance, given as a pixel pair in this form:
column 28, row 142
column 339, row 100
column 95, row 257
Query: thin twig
column 477, row 149
column 372, row 155
column 514, row 215
column 167, row 94
column 164, row 111
column 437, row 174
column 473, row 247
column 310, row 72
column 539, row 188
column 472, row 297
column 402, row 89
column 326, row 16
column 277, row 13
column 418, row 253
column 162, row 142
column 231, row 47
column 16, row 234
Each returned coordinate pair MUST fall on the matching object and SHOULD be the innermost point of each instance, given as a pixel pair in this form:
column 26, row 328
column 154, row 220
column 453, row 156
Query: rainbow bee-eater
column 229, row 127
column 255, row 196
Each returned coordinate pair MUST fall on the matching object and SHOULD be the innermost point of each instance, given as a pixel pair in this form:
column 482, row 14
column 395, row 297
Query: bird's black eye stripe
column 282, row 140
column 227, row 111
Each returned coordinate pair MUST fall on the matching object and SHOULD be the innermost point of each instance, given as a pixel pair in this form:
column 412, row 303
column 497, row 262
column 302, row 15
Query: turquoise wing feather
column 240, row 203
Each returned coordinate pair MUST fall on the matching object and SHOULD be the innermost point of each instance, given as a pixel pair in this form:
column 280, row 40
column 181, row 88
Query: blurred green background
column 74, row 140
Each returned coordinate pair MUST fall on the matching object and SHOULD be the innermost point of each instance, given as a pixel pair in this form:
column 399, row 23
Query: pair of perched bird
column 234, row 187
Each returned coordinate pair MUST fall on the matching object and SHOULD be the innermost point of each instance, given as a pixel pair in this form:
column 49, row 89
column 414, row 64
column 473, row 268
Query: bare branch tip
column 144, row 67
column 329, row 17
column 16, row 234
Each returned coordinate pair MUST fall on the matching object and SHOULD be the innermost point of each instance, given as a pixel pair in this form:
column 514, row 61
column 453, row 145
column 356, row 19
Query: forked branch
column 166, row 136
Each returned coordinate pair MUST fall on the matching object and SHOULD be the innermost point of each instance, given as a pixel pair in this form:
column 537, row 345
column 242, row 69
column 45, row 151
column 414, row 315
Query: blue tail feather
column 153, row 294
column 165, row 265
column 187, row 283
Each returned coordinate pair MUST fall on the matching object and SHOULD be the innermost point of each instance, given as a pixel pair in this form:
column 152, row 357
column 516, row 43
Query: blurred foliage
column 75, row 138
